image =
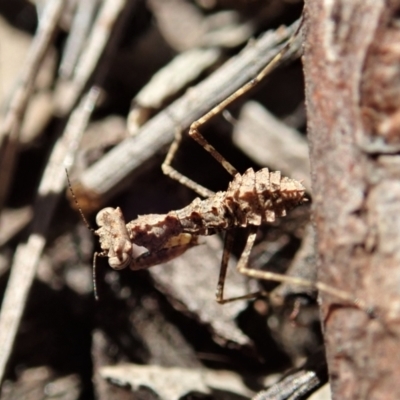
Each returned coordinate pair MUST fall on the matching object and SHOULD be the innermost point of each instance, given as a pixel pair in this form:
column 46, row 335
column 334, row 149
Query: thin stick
column 80, row 28
column 11, row 127
column 27, row 255
column 94, row 48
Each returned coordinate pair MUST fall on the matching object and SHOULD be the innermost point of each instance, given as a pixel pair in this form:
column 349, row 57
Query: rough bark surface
column 351, row 63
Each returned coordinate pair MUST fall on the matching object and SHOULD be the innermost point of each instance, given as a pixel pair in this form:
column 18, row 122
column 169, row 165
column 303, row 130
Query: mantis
column 252, row 199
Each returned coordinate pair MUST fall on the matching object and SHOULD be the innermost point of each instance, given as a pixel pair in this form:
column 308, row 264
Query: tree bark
column 352, row 73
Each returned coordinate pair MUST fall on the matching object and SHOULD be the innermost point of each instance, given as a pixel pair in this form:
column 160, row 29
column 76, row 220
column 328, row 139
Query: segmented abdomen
column 253, row 198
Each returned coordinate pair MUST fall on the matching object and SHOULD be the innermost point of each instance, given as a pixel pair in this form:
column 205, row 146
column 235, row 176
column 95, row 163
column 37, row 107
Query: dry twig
column 69, row 91
column 11, row 127
column 27, row 255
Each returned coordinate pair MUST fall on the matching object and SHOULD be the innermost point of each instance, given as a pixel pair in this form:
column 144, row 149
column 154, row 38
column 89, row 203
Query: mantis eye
column 104, row 215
